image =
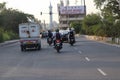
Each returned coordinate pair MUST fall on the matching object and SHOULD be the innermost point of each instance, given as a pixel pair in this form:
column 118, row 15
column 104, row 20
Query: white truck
column 29, row 34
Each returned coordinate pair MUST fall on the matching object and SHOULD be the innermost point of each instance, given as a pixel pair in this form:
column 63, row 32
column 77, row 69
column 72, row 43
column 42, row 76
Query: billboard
column 72, row 10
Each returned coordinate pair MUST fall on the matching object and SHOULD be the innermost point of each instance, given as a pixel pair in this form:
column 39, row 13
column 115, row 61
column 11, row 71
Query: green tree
column 2, row 6
column 10, row 19
column 91, row 24
column 110, row 14
column 1, row 35
column 77, row 26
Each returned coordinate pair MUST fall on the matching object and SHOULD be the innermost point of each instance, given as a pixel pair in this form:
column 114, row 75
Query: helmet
column 57, row 30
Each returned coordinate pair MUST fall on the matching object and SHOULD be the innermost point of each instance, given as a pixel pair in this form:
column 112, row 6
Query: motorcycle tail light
column 57, row 41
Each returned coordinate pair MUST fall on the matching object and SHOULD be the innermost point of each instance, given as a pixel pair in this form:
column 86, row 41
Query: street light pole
column 67, row 17
column 119, row 5
column 84, row 7
column 67, row 5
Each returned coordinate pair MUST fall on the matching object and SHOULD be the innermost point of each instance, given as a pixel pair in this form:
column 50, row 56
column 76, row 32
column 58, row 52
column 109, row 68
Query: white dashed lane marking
column 102, row 72
column 78, row 51
column 87, row 58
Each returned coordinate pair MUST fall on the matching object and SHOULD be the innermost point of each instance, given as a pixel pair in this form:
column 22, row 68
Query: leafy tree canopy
column 11, row 18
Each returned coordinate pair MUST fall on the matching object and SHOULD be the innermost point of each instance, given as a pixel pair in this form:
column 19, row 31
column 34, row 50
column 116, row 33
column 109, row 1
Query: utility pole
column 119, row 5
column 67, row 14
column 51, row 17
column 84, row 7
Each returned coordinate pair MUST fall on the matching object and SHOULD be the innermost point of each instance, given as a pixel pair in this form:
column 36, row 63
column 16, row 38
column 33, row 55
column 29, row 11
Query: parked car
column 64, row 35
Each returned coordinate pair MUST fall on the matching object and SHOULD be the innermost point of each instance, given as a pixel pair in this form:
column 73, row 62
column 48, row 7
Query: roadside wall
column 104, row 39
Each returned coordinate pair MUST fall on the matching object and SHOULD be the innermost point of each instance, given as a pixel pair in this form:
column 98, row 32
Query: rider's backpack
column 58, row 36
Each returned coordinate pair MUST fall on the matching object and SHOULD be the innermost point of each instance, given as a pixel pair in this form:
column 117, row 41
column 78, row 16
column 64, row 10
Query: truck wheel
column 23, row 48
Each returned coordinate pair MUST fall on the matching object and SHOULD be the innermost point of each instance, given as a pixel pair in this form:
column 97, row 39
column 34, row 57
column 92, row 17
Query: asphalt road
column 86, row 60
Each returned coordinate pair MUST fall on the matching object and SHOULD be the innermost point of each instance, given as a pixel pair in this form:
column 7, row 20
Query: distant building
column 67, row 14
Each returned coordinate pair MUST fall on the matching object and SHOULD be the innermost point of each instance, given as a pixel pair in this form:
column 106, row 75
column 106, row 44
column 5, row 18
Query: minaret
column 51, row 17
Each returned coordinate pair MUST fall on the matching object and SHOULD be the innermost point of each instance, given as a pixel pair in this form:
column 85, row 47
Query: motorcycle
column 72, row 41
column 58, row 45
column 49, row 41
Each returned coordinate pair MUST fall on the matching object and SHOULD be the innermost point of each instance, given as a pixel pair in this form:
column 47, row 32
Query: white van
column 29, row 34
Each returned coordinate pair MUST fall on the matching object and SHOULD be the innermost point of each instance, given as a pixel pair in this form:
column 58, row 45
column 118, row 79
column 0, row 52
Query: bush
column 12, row 35
column 1, row 35
column 6, row 36
column 77, row 26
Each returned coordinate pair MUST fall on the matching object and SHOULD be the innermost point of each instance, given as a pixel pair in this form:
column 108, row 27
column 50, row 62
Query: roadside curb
column 101, row 41
column 8, row 42
column 110, row 44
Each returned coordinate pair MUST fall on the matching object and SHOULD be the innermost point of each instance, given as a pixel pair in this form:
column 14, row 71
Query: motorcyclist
column 50, row 35
column 57, row 36
column 71, row 34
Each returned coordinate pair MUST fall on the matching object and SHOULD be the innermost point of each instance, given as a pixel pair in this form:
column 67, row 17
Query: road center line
column 102, row 72
column 87, row 58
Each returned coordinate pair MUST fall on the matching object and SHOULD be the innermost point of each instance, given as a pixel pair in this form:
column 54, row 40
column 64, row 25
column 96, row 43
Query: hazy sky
column 36, row 6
